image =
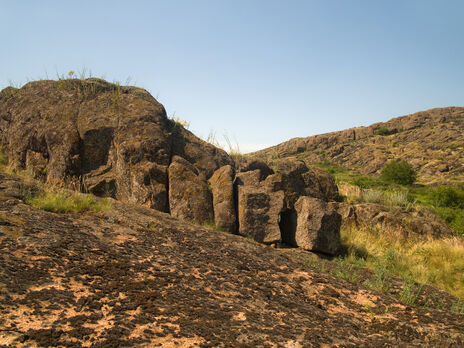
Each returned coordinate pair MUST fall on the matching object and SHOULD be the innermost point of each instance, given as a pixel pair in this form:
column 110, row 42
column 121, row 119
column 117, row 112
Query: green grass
column 447, row 202
column 61, row 201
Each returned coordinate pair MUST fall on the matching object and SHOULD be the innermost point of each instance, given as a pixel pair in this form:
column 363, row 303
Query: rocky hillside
column 117, row 141
column 150, row 272
column 431, row 141
column 132, row 276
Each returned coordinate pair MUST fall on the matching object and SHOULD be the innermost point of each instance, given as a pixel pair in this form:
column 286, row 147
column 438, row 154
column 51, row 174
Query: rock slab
column 222, row 185
column 318, row 225
column 189, row 195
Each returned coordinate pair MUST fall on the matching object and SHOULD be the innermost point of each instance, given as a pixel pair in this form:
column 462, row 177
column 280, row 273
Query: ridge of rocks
column 431, row 141
column 117, row 141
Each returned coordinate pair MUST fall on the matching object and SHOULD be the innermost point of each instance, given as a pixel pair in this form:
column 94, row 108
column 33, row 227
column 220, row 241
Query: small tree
column 399, row 173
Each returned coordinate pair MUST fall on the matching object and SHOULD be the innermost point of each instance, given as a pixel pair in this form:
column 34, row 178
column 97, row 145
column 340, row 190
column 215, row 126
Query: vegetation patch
column 61, row 201
column 446, row 201
column 385, row 131
column 437, row 262
column 399, row 173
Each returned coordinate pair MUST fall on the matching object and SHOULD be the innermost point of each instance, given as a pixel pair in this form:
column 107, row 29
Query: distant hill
column 431, row 141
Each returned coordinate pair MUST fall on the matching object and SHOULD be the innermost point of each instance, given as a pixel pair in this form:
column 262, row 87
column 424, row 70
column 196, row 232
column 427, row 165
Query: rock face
column 222, row 185
column 300, row 180
column 189, row 195
column 318, row 226
column 258, row 213
column 431, row 141
column 267, row 209
column 117, row 141
column 415, row 223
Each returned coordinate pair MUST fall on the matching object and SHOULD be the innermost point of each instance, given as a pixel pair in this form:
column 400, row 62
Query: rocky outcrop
column 431, row 141
column 117, row 141
column 189, row 196
column 300, row 180
column 267, row 206
column 222, row 185
column 248, row 165
column 318, row 226
column 407, row 224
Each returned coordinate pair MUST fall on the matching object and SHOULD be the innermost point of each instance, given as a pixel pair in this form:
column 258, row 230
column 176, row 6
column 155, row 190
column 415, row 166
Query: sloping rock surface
column 432, row 141
column 134, row 277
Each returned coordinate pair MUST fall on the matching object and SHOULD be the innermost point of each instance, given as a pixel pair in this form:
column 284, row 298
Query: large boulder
column 398, row 222
column 113, row 140
column 189, row 195
column 259, row 212
column 223, row 198
column 251, row 164
column 300, row 180
column 318, row 225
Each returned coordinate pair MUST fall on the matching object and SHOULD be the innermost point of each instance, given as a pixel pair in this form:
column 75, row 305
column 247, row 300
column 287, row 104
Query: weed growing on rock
column 410, row 292
column 178, row 122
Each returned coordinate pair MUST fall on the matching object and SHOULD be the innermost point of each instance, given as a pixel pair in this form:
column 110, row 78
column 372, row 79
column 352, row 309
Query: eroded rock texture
column 116, row 141
column 318, row 225
column 222, row 186
column 431, row 141
column 189, row 195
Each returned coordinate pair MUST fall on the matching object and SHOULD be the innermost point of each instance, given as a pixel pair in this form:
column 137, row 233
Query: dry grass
column 438, row 262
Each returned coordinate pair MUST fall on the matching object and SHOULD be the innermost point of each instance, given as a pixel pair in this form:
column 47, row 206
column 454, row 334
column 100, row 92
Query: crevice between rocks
column 287, row 225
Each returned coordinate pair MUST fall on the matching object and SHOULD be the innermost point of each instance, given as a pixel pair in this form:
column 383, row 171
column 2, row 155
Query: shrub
column 382, row 131
column 448, row 196
column 399, row 173
column 454, row 217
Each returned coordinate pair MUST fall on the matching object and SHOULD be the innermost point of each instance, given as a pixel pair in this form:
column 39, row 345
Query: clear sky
column 263, row 71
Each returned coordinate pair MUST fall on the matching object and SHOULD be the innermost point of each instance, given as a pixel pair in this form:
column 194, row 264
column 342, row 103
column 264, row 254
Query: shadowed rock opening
column 287, row 225
column 96, row 144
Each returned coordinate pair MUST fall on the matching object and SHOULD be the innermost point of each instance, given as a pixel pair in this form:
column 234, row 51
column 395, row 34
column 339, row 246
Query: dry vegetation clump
column 438, row 262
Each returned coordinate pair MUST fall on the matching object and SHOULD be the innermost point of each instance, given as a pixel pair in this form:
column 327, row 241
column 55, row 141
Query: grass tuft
column 61, row 201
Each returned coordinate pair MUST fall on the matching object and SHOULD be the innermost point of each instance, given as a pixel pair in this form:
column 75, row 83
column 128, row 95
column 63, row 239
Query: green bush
column 448, row 196
column 454, row 217
column 399, row 173
column 382, row 131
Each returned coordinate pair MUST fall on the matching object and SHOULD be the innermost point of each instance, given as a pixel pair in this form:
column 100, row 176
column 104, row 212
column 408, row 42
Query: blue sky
column 261, row 71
